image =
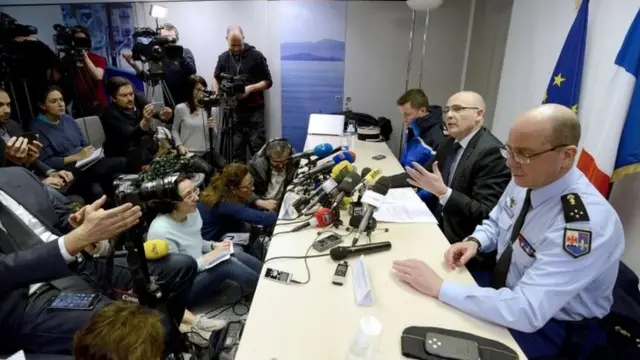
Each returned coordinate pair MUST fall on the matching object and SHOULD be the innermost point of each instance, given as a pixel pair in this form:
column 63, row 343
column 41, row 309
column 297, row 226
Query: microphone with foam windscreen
column 373, row 199
column 337, row 175
column 346, row 188
column 320, row 151
column 330, row 188
column 340, row 154
column 340, row 253
column 320, row 169
column 156, row 249
column 322, row 218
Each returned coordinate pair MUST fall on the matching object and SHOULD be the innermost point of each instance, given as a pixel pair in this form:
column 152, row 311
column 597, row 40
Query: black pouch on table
column 413, row 344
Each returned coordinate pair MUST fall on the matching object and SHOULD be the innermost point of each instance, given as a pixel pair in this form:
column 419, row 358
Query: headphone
column 271, row 143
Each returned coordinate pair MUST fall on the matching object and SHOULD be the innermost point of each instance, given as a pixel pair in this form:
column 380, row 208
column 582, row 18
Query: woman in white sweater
column 191, row 126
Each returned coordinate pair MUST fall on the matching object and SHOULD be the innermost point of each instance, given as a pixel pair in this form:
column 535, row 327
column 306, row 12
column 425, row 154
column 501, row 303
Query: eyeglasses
column 458, row 108
column 194, row 193
column 522, row 158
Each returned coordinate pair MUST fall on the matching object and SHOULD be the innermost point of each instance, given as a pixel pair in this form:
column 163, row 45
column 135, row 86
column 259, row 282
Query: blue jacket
column 231, row 217
column 424, row 137
column 58, row 140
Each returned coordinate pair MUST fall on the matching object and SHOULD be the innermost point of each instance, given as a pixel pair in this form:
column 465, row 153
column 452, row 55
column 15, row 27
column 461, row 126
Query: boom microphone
column 320, row 151
column 340, row 253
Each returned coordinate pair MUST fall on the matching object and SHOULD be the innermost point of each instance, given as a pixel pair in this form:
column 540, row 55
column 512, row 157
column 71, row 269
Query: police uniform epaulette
column 573, row 208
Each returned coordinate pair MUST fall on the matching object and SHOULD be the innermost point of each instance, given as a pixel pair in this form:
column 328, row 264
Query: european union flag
column 565, row 82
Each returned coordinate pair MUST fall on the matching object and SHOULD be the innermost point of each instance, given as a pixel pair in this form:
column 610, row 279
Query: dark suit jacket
column 478, row 182
column 23, row 262
column 14, row 129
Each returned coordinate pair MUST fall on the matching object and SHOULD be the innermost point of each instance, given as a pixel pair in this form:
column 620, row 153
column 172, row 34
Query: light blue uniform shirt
column 546, row 281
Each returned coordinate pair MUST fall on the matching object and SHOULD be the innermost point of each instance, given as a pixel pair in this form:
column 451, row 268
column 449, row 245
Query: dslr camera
column 69, row 45
column 131, row 189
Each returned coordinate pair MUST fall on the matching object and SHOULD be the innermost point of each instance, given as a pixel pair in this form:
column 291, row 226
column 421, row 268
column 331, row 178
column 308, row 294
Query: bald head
column 557, row 124
column 471, row 98
column 235, row 29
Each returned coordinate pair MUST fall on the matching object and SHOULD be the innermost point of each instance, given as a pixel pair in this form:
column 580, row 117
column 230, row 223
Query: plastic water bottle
column 351, row 132
column 364, row 345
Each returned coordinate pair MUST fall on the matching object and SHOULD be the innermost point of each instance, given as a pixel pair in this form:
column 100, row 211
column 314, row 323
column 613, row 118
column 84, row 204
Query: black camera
column 232, row 85
column 10, row 27
column 207, row 99
column 69, row 45
column 130, row 189
column 150, row 46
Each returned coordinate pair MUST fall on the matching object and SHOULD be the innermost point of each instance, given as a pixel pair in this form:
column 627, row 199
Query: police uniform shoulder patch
column 573, row 208
column 577, row 243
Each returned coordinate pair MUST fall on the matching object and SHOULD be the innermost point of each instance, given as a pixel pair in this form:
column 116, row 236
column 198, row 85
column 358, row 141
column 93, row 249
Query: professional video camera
column 131, row 189
column 10, row 54
column 150, row 46
column 68, row 45
column 230, row 86
column 10, row 28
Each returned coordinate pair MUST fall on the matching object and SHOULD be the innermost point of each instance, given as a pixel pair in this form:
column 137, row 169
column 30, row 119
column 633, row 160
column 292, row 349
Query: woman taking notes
column 180, row 224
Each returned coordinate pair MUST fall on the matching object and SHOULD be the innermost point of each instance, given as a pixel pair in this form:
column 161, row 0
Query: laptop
column 326, row 124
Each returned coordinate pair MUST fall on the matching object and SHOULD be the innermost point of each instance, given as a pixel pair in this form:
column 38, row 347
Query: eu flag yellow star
column 574, row 108
column 558, row 79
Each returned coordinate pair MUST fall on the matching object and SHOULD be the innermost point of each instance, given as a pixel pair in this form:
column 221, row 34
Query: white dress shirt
column 37, row 227
column 463, row 143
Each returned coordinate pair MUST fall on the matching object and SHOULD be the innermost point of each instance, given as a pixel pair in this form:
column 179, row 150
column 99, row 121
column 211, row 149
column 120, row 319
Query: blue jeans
column 241, row 268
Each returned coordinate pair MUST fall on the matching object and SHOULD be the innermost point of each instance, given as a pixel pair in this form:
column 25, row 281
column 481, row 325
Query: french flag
column 612, row 150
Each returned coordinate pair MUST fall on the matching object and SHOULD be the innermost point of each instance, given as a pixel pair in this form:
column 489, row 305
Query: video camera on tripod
column 153, row 48
column 69, row 46
column 10, row 54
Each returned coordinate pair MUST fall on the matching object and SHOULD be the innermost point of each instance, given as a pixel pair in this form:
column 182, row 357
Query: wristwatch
column 471, row 238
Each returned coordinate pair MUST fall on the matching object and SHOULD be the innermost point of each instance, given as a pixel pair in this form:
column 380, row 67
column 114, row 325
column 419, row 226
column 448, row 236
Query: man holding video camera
column 88, row 77
column 176, row 71
column 244, row 60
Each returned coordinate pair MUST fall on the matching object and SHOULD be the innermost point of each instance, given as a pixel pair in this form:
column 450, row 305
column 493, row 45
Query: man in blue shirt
column 559, row 244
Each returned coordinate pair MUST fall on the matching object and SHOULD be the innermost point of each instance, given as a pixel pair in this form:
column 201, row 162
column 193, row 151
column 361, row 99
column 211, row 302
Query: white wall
column 536, row 34
column 377, row 49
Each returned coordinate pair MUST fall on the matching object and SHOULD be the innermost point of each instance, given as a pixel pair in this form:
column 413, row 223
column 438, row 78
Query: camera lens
column 160, row 189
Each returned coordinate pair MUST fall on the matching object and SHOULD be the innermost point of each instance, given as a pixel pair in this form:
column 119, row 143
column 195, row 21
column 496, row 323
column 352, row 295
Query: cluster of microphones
column 326, row 180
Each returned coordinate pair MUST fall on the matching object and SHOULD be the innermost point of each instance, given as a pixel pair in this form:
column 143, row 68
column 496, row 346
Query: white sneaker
column 207, row 324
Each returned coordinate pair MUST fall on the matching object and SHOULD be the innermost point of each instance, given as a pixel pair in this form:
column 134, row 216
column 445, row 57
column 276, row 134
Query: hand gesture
column 62, row 174
column 17, row 150
column 269, row 205
column 424, row 179
column 419, row 276
column 147, row 112
column 165, row 114
column 458, row 254
column 95, row 224
column 212, row 123
column 54, row 182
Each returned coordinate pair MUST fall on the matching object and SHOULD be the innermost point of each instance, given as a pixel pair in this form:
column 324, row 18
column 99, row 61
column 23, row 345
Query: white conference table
column 318, row 321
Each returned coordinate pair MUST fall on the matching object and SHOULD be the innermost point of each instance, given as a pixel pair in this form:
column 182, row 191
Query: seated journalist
column 63, row 145
column 225, row 204
column 19, row 151
column 40, row 245
column 559, row 244
column 129, row 125
column 180, row 224
column 272, row 172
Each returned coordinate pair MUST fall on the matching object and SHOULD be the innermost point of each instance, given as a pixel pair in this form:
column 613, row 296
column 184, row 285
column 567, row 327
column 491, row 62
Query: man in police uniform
column 559, row 244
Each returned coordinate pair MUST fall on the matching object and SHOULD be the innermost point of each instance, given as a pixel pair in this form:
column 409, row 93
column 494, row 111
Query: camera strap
column 236, row 65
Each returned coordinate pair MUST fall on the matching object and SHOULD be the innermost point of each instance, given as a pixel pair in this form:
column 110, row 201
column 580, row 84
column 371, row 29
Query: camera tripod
column 228, row 128
column 154, row 77
column 149, row 293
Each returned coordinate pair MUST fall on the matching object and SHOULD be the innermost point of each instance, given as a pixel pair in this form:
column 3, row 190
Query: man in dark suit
column 469, row 174
column 19, row 152
column 33, row 249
